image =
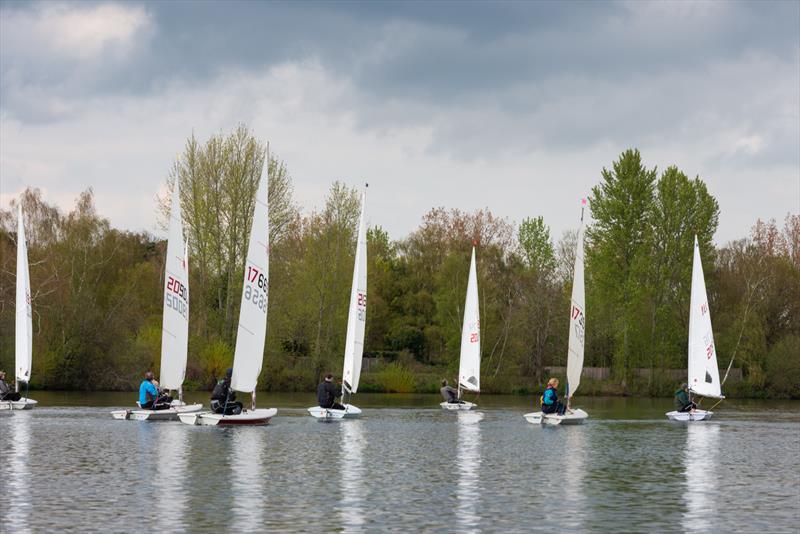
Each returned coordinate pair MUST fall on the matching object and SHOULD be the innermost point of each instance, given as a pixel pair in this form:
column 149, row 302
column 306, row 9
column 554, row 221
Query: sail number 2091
column 251, row 293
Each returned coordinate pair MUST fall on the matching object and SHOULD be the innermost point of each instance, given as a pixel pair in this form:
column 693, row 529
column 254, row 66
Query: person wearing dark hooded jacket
column 327, row 393
column 223, row 398
column 5, row 390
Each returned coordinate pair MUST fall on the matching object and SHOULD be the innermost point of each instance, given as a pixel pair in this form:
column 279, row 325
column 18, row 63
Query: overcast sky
column 512, row 106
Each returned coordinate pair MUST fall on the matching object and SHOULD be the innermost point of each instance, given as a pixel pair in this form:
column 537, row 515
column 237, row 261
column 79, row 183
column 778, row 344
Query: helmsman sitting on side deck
column 5, row 391
column 683, row 403
column 327, row 393
column 150, row 398
column 449, row 394
column 223, row 398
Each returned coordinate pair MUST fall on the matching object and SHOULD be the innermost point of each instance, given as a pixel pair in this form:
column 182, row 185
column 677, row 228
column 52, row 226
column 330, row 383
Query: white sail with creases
column 703, row 369
column 175, row 327
column 249, row 353
column 577, row 321
column 469, row 370
column 357, row 316
column 24, row 325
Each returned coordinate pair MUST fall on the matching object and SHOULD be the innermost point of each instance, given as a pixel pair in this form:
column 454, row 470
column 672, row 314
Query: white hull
column 327, row 414
column 259, row 416
column 170, row 414
column 575, row 416
column 457, row 407
column 22, row 404
column 694, row 415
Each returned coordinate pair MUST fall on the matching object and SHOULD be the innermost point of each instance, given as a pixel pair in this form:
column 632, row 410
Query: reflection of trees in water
column 247, row 496
column 17, row 489
column 702, row 441
column 469, row 465
column 352, row 473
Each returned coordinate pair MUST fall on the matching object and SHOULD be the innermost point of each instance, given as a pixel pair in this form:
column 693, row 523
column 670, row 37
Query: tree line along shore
column 97, row 290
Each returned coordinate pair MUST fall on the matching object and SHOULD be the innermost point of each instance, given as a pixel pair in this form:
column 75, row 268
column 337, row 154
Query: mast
column 24, row 324
column 357, row 315
column 577, row 318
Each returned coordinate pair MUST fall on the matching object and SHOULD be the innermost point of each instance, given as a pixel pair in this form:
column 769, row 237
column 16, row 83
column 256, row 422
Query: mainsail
column 249, row 354
column 175, row 328
column 357, row 316
column 24, row 325
column 703, row 369
column 577, row 321
column 469, row 371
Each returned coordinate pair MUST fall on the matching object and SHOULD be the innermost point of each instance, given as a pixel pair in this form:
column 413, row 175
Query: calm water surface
column 405, row 466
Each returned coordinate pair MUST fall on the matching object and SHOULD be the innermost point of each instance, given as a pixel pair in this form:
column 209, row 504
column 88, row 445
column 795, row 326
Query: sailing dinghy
column 356, row 323
column 469, row 368
column 175, row 326
column 24, row 325
column 577, row 331
column 249, row 353
column 703, row 370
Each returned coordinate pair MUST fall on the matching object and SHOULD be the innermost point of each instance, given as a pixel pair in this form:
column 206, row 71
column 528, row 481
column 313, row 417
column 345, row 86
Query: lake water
column 405, row 466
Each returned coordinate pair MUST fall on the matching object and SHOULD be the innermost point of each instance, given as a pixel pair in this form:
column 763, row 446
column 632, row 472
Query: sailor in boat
column 150, row 396
column 327, row 393
column 6, row 393
column 550, row 402
column 683, row 403
column 449, row 393
column 223, row 398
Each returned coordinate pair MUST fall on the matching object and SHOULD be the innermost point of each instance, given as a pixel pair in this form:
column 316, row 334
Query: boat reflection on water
column 573, row 475
column 469, row 465
column 702, row 441
column 248, row 497
column 351, row 508
column 171, row 475
column 18, row 514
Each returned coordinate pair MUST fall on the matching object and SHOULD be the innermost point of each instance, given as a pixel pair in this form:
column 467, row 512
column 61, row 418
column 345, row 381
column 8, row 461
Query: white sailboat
column 356, row 324
column 24, row 326
column 175, row 326
column 249, row 353
column 703, row 369
column 575, row 350
column 469, row 368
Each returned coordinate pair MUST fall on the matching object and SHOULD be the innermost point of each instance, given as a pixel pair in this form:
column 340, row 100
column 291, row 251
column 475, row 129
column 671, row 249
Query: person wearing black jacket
column 5, row 391
column 223, row 399
column 327, row 393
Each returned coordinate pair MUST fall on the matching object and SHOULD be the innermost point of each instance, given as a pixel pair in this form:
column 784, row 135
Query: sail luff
column 577, row 321
column 24, row 324
column 702, row 353
column 469, row 372
column 357, row 314
column 175, row 326
column 251, row 334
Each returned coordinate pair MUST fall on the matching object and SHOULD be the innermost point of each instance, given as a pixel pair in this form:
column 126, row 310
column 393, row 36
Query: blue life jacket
column 146, row 388
column 550, row 396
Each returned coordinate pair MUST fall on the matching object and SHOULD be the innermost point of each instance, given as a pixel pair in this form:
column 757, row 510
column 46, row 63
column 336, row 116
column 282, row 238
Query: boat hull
column 22, row 404
column 260, row 416
column 576, row 416
column 170, row 414
column 328, row 414
column 694, row 415
column 457, row 407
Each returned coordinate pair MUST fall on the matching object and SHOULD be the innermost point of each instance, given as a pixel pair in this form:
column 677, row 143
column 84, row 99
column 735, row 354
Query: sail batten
column 252, row 330
column 357, row 315
column 175, row 327
column 24, row 324
column 703, row 368
column 469, row 371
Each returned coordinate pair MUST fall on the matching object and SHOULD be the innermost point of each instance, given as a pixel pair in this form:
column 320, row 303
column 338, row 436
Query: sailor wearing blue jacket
column 149, row 398
column 550, row 403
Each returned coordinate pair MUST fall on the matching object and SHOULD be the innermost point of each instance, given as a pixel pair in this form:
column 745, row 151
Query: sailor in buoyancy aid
column 223, row 398
column 549, row 400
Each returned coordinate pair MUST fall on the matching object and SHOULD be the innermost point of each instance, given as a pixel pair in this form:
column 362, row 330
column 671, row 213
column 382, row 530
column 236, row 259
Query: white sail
column 249, row 354
column 703, row 369
column 357, row 317
column 24, row 325
column 175, row 327
column 577, row 321
column 469, row 371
